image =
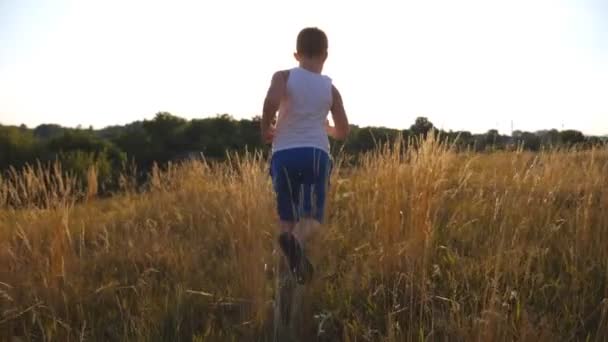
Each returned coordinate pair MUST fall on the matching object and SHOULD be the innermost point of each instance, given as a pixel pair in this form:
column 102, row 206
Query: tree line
column 168, row 138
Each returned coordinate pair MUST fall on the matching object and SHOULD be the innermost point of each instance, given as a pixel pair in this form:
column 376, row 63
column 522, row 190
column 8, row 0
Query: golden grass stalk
column 420, row 243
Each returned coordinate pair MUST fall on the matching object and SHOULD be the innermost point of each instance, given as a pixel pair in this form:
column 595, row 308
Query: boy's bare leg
column 287, row 226
column 288, row 313
column 306, row 229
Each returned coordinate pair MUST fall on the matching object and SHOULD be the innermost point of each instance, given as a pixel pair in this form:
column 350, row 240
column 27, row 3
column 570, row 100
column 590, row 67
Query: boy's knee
column 287, row 226
column 306, row 229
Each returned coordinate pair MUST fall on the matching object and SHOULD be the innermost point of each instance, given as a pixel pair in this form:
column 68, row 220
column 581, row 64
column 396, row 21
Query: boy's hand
column 331, row 131
column 268, row 135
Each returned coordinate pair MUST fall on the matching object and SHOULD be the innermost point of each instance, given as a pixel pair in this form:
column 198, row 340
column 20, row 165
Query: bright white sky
column 466, row 64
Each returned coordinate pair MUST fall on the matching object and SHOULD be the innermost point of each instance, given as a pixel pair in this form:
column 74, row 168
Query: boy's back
column 303, row 111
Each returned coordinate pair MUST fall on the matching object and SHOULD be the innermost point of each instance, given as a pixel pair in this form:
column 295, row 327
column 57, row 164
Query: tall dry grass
column 423, row 245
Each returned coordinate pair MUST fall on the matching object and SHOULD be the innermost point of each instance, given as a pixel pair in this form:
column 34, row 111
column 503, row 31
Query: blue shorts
column 300, row 177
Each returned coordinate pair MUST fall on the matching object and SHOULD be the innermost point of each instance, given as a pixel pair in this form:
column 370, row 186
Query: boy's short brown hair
column 312, row 42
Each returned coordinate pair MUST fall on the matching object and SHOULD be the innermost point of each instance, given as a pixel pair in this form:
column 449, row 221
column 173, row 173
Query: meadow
column 425, row 244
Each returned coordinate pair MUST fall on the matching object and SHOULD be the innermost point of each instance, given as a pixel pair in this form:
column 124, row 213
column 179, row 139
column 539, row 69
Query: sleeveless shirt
column 303, row 111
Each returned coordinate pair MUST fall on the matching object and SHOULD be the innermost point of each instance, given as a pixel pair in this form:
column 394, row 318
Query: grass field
column 425, row 245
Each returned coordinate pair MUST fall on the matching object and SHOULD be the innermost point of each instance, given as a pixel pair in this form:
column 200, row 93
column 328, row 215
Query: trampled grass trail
column 420, row 245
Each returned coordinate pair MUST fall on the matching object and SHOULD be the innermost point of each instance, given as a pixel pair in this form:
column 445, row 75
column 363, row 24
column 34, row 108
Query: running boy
column 300, row 163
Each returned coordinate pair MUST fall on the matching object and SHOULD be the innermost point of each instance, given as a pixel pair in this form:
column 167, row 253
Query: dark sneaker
column 299, row 265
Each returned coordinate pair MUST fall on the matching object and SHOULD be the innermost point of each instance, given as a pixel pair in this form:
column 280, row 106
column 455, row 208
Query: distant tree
column 163, row 126
column 17, row 146
column 167, row 137
column 593, row 141
column 79, row 162
column 84, row 145
column 351, row 144
column 249, row 133
column 549, row 138
column 137, row 144
column 492, row 137
column 421, row 126
column 76, row 140
column 463, row 139
column 365, row 139
column 529, row 141
column 571, row 137
column 165, row 134
column 480, row 142
column 48, row 131
column 222, row 136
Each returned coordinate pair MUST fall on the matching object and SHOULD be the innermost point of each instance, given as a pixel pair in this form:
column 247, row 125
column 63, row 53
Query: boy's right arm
column 275, row 94
column 341, row 126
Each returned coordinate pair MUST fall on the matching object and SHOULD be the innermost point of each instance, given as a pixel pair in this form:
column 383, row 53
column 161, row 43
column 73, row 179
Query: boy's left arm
column 275, row 93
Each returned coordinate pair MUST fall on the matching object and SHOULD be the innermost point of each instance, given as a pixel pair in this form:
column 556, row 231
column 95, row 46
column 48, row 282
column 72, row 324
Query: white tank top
column 303, row 111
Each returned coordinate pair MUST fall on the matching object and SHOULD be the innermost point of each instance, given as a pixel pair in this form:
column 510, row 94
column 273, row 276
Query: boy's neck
column 312, row 66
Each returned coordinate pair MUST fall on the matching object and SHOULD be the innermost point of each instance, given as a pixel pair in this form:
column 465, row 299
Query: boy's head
column 311, row 45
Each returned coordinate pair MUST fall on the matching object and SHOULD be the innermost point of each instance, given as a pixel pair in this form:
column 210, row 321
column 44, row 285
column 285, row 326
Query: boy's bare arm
column 275, row 93
column 341, row 126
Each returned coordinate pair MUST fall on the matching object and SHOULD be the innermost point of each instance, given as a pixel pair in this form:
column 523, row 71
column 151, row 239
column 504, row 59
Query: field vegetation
column 421, row 244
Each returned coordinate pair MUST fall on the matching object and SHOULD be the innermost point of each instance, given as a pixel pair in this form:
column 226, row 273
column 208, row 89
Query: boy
column 300, row 163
